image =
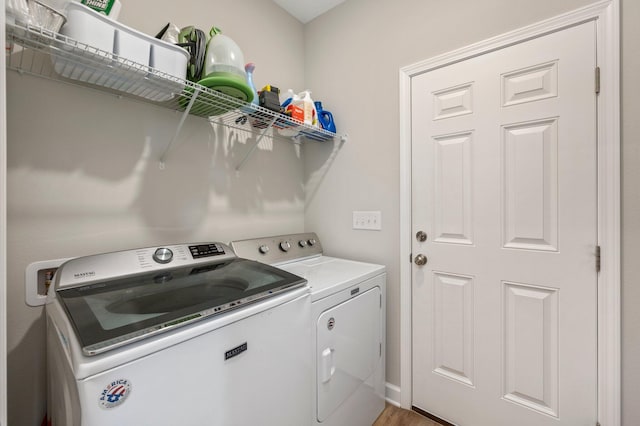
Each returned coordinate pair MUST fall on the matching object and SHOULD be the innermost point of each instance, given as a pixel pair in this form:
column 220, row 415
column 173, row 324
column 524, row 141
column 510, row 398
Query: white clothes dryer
column 347, row 321
column 179, row 335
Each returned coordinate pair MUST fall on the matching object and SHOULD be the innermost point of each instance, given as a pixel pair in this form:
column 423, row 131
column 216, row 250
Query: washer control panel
column 105, row 266
column 278, row 249
column 206, row 250
column 163, row 255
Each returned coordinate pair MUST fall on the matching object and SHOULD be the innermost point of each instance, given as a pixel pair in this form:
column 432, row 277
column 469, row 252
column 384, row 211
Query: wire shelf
column 40, row 52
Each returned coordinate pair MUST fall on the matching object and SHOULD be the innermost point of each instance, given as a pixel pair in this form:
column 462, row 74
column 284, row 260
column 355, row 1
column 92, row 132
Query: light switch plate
column 369, row 220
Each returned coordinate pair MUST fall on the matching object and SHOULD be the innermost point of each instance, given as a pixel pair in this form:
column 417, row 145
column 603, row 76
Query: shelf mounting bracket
column 163, row 157
column 255, row 144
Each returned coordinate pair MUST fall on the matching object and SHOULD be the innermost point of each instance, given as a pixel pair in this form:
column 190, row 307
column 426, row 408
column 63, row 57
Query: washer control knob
column 163, row 255
column 285, row 246
column 302, row 243
column 312, row 242
column 264, row 249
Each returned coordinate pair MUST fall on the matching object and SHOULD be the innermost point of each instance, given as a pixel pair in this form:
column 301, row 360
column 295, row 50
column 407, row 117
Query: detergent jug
column 325, row 118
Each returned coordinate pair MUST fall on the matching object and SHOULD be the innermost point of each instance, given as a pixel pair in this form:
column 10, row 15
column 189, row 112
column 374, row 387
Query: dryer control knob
column 302, row 243
column 285, row 246
column 264, row 249
column 163, row 255
column 312, row 241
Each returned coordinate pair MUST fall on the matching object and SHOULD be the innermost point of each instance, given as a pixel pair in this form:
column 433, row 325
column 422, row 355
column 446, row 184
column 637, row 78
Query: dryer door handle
column 328, row 367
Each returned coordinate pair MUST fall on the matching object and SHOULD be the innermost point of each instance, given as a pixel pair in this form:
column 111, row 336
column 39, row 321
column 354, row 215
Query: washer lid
column 109, row 314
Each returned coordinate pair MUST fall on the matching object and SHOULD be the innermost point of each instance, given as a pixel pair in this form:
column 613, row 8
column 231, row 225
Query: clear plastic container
column 224, row 68
column 44, row 16
column 223, row 56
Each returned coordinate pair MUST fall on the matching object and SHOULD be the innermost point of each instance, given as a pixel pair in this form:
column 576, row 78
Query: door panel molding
column 452, row 203
column 530, row 377
column 453, row 348
column 606, row 16
column 523, row 144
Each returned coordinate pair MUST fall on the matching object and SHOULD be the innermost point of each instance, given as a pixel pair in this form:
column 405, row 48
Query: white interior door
column 504, row 186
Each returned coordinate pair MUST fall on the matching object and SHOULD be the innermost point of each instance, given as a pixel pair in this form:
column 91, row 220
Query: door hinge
column 597, row 80
column 597, row 258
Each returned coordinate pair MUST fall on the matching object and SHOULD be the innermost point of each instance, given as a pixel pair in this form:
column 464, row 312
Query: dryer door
column 348, row 348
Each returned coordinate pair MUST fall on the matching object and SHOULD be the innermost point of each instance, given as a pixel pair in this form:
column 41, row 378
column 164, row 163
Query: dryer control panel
column 279, row 249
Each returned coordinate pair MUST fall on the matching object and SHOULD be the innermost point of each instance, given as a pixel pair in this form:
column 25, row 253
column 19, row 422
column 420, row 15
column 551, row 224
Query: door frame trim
column 606, row 15
column 3, row 227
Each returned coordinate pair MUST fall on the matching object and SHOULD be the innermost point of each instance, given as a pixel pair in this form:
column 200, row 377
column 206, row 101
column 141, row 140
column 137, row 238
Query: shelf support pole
column 163, row 157
column 255, row 144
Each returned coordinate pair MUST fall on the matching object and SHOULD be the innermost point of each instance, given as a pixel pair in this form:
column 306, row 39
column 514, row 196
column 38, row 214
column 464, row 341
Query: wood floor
column 395, row 416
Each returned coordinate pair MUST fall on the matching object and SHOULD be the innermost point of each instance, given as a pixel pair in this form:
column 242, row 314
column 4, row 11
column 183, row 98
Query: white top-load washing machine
column 347, row 321
column 185, row 335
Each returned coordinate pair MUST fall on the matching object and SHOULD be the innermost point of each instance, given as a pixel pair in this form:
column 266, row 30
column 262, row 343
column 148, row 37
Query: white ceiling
column 306, row 10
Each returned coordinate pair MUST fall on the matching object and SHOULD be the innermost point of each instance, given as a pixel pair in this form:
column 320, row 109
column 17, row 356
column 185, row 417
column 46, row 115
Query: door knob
column 420, row 260
column 421, row 236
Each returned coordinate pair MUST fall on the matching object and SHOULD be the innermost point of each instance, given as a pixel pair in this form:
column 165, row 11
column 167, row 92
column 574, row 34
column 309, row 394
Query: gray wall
column 83, row 173
column 630, row 88
column 354, row 54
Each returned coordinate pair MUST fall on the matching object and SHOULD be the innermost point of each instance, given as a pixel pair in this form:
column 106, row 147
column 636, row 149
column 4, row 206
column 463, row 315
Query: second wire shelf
column 44, row 53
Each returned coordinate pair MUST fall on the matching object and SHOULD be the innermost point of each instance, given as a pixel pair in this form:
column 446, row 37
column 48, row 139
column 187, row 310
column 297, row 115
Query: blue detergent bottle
column 325, row 118
column 248, row 68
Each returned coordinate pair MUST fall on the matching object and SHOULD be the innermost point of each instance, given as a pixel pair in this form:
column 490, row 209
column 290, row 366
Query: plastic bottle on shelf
column 296, row 107
column 325, row 118
column 249, row 68
column 288, row 98
column 291, row 109
column 310, row 113
column 249, row 109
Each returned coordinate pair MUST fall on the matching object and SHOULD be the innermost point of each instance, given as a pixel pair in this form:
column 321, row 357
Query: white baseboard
column 392, row 394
